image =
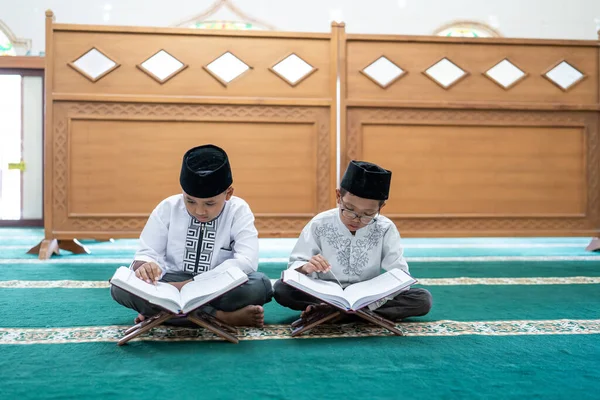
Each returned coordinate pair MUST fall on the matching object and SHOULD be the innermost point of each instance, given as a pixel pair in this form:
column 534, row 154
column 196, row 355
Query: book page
column 324, row 290
column 162, row 294
column 374, row 289
column 198, row 292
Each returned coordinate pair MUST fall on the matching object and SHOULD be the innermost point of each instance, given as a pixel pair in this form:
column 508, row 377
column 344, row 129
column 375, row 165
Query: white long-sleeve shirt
column 353, row 258
column 177, row 242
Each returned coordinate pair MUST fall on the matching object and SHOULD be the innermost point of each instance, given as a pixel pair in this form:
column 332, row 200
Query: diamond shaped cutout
column 383, row 72
column 564, row 75
column 293, row 69
column 445, row 73
column 505, row 74
column 226, row 68
column 162, row 66
column 94, row 64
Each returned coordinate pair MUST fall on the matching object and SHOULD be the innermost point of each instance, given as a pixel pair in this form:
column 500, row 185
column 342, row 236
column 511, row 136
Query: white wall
column 561, row 19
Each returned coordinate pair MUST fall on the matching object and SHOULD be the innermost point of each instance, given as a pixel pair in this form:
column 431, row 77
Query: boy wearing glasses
column 353, row 243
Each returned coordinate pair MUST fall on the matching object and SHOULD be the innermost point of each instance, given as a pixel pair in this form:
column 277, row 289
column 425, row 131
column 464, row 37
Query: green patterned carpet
column 512, row 318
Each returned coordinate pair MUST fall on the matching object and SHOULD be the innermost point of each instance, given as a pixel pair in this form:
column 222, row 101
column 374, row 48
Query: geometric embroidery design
column 199, row 246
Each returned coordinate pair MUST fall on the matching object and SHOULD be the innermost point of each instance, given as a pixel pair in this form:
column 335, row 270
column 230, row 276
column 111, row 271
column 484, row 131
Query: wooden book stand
column 199, row 318
column 594, row 245
column 324, row 313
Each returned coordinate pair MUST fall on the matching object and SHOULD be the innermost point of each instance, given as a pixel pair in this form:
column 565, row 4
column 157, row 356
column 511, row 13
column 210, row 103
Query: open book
column 355, row 296
column 193, row 295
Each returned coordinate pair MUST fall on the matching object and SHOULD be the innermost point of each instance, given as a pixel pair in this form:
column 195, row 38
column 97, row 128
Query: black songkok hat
column 205, row 171
column 367, row 180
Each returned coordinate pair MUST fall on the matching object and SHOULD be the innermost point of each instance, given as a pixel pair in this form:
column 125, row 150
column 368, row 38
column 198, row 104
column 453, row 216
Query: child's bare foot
column 138, row 319
column 247, row 316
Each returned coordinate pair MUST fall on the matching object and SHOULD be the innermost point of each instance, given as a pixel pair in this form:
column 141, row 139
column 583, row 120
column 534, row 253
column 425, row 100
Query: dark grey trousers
column 257, row 291
column 413, row 302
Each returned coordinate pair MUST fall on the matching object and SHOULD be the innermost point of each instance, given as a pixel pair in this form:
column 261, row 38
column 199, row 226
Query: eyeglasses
column 365, row 219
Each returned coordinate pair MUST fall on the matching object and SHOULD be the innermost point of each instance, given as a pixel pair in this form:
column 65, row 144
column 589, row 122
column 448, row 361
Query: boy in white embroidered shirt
column 203, row 230
column 353, row 243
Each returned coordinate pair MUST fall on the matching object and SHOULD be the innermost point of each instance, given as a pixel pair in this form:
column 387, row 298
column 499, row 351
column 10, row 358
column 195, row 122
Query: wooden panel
column 475, row 58
column 196, row 51
column 445, row 171
column 127, row 167
column 477, row 158
column 113, row 162
column 484, row 173
column 114, row 142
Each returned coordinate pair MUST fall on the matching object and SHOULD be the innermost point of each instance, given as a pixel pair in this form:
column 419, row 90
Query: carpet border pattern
column 567, row 280
column 23, row 336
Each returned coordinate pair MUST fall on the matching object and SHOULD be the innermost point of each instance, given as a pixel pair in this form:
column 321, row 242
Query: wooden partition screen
column 485, row 137
column 124, row 103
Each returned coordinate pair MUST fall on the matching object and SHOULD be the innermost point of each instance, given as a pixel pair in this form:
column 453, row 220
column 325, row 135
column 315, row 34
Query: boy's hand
column 149, row 272
column 317, row 263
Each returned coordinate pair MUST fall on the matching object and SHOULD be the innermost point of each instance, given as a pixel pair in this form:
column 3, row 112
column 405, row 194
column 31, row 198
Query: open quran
column 355, row 296
column 181, row 304
column 193, row 295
